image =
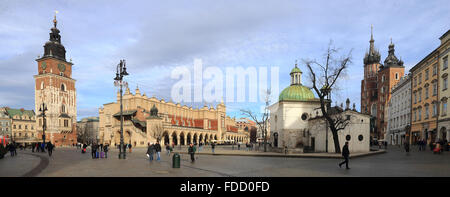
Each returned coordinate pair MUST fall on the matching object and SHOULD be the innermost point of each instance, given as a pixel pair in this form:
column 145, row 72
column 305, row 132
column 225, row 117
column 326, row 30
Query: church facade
column 150, row 120
column 297, row 122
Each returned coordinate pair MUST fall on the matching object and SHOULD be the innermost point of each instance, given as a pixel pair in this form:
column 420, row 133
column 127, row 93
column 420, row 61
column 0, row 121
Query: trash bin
column 176, row 161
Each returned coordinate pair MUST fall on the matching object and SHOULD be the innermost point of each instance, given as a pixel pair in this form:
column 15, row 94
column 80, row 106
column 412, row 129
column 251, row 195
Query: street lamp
column 121, row 71
column 42, row 109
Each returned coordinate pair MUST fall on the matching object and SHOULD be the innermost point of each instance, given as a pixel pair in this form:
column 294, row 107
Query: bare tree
column 261, row 119
column 324, row 77
column 158, row 132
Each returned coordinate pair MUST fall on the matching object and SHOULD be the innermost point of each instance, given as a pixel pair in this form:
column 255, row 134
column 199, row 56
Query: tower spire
column 54, row 20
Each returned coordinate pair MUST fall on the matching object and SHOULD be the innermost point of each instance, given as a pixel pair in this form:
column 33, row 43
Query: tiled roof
column 13, row 112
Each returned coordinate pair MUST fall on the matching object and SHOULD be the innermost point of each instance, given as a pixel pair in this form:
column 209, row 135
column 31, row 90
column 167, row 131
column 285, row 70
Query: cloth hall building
column 149, row 120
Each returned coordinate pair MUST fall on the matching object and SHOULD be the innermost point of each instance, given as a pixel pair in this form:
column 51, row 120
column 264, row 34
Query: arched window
column 42, row 85
column 63, row 109
column 63, row 87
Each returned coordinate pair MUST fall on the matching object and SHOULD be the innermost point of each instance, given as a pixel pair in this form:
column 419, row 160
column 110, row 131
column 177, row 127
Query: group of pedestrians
column 152, row 149
column 99, row 151
column 40, row 147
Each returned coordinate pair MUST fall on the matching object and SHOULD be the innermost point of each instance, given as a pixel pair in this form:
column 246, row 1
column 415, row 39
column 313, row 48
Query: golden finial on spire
column 54, row 20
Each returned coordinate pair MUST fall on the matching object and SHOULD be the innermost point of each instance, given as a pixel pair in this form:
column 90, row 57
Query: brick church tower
column 388, row 75
column 369, row 88
column 55, row 87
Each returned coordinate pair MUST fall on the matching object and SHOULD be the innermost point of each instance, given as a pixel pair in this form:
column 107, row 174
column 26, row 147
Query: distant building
column 296, row 122
column 87, row 130
column 399, row 112
column 149, row 120
column 376, row 85
column 5, row 123
column 444, row 92
column 55, row 87
column 23, row 124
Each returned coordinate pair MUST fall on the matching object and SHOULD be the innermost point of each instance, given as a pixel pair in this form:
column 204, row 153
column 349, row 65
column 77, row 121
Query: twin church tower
column 55, row 88
column 377, row 84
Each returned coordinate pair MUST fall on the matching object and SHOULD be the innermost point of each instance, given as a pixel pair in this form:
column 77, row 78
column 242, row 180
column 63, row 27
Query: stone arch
column 182, row 138
column 200, row 138
column 195, row 138
column 215, row 137
column 443, row 133
column 174, row 138
column 127, row 137
column 189, row 138
column 165, row 138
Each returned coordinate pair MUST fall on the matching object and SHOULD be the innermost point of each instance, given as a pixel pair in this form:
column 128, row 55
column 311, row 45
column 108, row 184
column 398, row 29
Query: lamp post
column 121, row 71
column 42, row 109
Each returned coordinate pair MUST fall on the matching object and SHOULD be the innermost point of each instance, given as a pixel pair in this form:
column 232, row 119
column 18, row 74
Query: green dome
column 296, row 93
column 296, row 70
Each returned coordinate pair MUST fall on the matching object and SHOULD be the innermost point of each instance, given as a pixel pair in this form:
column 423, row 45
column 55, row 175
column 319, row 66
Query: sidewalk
column 272, row 154
column 19, row 165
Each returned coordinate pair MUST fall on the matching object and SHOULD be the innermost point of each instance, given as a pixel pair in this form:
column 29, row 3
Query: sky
column 157, row 37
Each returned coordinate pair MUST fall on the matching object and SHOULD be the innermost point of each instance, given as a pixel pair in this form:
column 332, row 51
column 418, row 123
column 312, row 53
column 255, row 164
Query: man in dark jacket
column 158, row 151
column 105, row 149
column 94, row 150
column 191, row 151
column 50, row 148
column 150, row 151
column 345, row 154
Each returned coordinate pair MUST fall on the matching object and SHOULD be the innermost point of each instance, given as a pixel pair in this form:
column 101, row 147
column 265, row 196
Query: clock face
column 61, row 67
column 44, row 65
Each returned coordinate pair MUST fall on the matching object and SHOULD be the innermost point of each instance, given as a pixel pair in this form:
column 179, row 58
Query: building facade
column 55, row 87
column 425, row 98
column 399, row 119
column 5, row 123
column 444, row 93
column 297, row 122
column 376, row 85
column 23, row 124
column 150, row 120
column 87, row 130
column 388, row 76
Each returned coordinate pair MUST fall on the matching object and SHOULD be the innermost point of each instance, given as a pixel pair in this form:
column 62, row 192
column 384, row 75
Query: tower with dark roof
column 55, row 87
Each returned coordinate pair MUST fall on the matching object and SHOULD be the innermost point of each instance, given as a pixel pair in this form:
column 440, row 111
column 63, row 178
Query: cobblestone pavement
column 69, row 162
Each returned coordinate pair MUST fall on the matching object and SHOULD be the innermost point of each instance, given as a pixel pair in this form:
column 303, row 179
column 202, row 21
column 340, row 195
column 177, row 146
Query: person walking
column 158, row 151
column 105, row 149
column 129, row 147
column 213, row 146
column 50, row 148
column 407, row 148
column 43, row 147
column 38, row 145
column 33, row 145
column 191, row 151
column 345, row 154
column 168, row 149
column 150, row 151
column 94, row 151
column 10, row 147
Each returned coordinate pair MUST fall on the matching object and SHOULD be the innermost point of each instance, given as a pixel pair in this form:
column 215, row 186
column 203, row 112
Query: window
column 445, row 84
column 396, row 76
column 42, row 85
column 415, row 97
column 420, row 114
column 434, row 69
column 14, row 126
column 63, row 87
column 420, row 95
column 20, row 126
column 63, row 109
column 426, row 92
column 66, row 123
column 434, row 109
column 420, row 78
column 426, row 112
column 434, row 89
column 444, row 108
column 445, row 63
column 427, row 72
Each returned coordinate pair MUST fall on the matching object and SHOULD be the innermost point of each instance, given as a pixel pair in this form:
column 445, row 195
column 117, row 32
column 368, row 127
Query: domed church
column 296, row 121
